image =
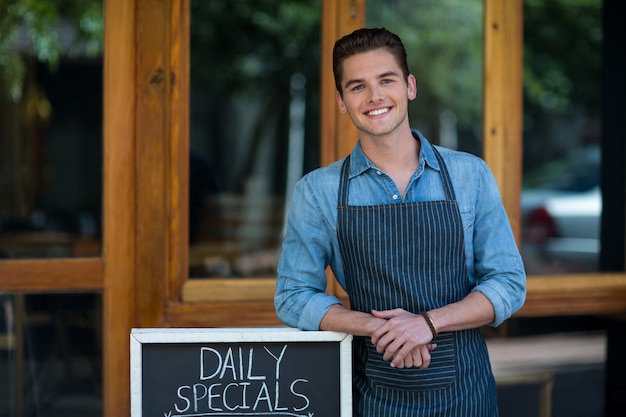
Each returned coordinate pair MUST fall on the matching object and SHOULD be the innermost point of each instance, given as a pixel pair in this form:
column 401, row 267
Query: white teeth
column 378, row 112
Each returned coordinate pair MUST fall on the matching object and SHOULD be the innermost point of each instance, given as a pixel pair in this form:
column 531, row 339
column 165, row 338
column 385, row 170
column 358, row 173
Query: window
column 561, row 198
column 51, row 132
column 254, row 129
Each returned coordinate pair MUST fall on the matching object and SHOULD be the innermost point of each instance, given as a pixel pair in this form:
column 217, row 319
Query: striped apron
column 411, row 256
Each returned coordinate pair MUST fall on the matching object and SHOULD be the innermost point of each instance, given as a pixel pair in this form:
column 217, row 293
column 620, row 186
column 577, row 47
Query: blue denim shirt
column 494, row 264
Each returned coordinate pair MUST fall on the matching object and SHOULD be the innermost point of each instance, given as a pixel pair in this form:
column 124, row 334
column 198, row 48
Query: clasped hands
column 404, row 338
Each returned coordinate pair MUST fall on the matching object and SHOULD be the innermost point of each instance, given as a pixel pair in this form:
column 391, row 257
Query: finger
column 374, row 339
column 406, row 358
column 382, row 343
column 426, row 358
column 416, row 358
column 387, row 314
column 393, row 352
column 379, row 332
column 377, row 335
column 407, row 362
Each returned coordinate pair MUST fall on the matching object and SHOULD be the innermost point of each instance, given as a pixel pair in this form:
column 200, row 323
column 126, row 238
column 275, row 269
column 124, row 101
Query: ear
column 340, row 103
column 412, row 87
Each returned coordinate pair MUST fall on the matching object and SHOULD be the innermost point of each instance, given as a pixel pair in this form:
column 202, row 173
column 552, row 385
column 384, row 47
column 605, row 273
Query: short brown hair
column 364, row 40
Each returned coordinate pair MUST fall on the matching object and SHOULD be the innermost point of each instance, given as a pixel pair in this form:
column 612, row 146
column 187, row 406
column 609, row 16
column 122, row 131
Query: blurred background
column 254, row 130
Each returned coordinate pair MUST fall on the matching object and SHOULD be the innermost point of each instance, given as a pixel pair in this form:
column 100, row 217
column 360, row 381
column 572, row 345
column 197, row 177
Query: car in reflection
column 561, row 205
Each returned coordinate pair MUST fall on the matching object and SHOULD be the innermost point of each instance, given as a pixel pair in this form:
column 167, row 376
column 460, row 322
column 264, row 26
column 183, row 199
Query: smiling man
column 417, row 236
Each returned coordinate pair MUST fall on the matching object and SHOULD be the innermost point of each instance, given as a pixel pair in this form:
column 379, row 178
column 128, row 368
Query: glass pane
column 50, row 355
column 253, row 128
column 444, row 43
column 51, row 130
column 561, row 199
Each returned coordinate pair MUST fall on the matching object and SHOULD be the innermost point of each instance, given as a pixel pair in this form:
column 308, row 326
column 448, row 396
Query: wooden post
column 503, row 100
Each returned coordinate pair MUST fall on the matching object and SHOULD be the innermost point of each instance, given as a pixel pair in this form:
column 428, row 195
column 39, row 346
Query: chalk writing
column 241, row 381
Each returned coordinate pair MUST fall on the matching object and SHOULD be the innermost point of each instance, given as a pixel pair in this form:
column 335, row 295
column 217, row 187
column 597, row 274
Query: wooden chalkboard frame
column 141, row 337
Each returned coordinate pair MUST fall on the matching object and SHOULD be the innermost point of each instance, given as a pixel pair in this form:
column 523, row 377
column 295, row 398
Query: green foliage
column 38, row 20
column 562, row 53
column 253, row 44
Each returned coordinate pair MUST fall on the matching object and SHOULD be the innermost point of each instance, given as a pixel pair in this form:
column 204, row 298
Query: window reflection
column 253, row 128
column 50, row 132
column 50, row 355
column 561, row 198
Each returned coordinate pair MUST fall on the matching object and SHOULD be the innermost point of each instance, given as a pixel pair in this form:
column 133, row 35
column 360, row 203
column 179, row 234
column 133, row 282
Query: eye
column 357, row 87
column 386, row 81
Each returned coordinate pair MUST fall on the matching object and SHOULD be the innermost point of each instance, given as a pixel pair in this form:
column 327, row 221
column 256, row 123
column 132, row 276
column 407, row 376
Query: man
column 417, row 236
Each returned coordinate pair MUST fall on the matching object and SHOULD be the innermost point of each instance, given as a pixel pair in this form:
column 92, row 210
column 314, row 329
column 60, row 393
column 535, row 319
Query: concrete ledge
column 544, row 354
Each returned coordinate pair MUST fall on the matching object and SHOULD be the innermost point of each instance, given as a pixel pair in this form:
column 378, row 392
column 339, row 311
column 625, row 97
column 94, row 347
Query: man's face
column 375, row 94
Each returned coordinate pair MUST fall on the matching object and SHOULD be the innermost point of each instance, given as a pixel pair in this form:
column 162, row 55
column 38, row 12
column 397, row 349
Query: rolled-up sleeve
column 497, row 264
column 300, row 298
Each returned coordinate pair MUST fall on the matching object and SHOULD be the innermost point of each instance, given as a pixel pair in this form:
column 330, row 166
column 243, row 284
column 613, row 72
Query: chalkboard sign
column 239, row 372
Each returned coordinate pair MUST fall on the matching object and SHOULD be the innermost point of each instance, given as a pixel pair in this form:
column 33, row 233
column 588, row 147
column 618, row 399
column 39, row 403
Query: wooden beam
column 503, row 64
column 151, row 136
column 76, row 274
column 179, row 63
column 118, row 202
column 229, row 289
column 554, row 295
column 223, row 314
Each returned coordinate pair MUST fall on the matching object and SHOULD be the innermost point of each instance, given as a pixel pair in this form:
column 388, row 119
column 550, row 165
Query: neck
column 392, row 152
column 397, row 156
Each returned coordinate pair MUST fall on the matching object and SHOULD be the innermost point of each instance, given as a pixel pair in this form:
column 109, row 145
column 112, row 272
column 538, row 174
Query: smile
column 378, row 112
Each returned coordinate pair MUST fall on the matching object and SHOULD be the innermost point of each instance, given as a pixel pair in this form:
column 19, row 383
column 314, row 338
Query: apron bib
column 411, row 256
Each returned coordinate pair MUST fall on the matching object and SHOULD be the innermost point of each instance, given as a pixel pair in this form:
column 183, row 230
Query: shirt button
column 379, row 173
column 395, row 196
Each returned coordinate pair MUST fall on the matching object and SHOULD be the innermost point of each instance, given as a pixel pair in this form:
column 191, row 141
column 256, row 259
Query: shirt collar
column 359, row 163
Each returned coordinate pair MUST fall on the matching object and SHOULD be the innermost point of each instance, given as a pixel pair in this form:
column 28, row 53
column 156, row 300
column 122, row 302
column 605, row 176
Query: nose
column 376, row 94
